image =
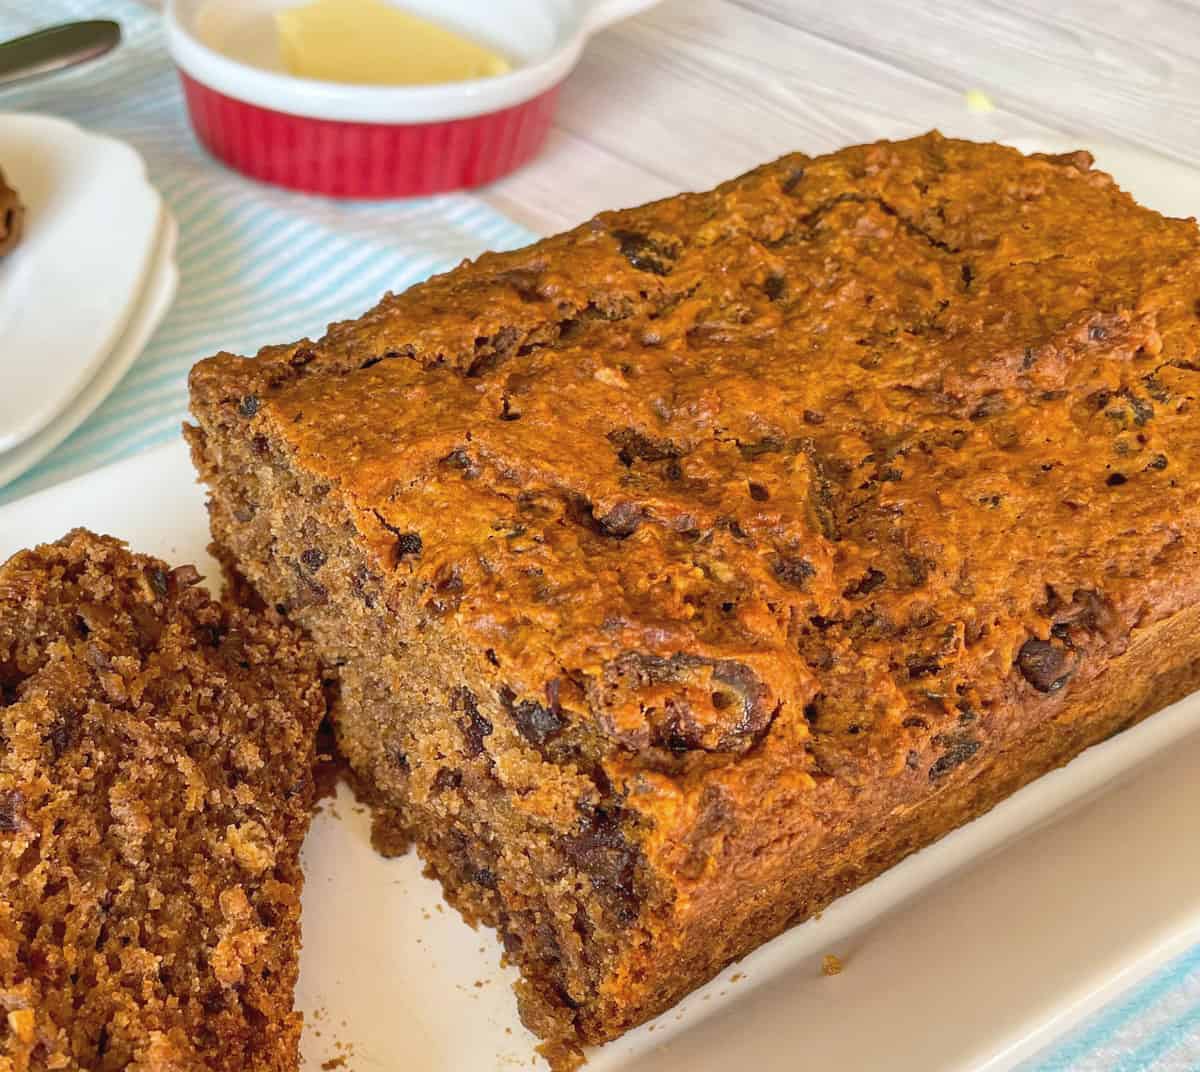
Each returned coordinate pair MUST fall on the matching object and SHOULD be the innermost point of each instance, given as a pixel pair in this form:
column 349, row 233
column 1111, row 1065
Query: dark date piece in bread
column 12, row 217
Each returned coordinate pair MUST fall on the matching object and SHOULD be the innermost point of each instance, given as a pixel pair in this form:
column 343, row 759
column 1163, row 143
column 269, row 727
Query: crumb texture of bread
column 156, row 754
column 12, row 217
column 686, row 570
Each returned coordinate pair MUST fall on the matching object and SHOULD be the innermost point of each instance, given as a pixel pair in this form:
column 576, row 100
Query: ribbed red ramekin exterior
column 368, row 160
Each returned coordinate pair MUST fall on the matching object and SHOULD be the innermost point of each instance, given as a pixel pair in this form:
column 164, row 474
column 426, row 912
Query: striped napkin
column 260, row 266
column 257, row 265
column 1155, row 1027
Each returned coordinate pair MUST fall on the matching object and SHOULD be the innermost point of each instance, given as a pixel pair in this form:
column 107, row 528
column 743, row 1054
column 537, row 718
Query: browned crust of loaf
column 788, row 886
column 805, row 509
column 12, row 217
column 155, row 785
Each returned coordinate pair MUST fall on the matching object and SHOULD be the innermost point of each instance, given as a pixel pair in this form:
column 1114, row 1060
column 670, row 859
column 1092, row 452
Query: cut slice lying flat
column 156, row 755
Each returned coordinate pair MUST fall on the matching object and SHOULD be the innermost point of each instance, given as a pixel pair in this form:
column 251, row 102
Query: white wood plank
column 696, row 91
column 700, row 89
column 1129, row 68
column 570, row 182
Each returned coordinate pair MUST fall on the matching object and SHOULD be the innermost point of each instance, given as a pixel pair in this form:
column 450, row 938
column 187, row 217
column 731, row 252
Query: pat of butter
column 372, row 42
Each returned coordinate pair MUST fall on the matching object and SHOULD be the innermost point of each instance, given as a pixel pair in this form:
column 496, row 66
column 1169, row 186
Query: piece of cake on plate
column 156, row 753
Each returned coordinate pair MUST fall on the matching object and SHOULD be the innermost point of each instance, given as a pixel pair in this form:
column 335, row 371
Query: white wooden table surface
column 696, row 91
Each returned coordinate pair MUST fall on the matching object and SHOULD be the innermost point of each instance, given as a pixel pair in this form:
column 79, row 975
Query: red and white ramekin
column 378, row 141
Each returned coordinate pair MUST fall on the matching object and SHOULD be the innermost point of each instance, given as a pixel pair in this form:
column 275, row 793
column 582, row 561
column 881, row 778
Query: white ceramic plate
column 151, row 306
column 969, row 955
column 69, row 287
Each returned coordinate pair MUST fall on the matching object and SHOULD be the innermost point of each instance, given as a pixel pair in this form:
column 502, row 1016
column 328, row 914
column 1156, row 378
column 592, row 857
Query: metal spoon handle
column 56, row 47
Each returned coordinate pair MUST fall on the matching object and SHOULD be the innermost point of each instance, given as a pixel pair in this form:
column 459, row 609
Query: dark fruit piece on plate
column 12, row 216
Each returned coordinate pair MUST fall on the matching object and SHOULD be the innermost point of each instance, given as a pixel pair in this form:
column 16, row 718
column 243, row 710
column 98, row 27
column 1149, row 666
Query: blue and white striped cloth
column 257, row 265
column 261, row 266
column 1155, row 1027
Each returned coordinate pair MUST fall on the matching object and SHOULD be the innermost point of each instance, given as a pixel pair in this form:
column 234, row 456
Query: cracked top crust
column 846, row 452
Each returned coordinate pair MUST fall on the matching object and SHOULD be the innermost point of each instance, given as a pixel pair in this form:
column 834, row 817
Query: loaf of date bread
column 686, row 570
